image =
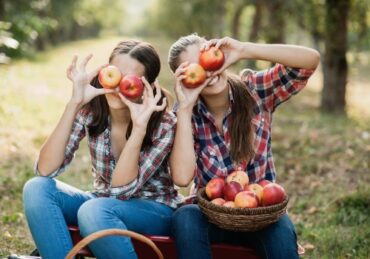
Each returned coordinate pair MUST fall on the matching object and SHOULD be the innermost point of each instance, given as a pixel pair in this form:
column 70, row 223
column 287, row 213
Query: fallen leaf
column 7, row 235
column 312, row 210
column 308, row 246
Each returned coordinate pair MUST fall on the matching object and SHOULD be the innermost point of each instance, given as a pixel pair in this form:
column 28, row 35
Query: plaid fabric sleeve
column 151, row 158
column 277, row 84
column 77, row 134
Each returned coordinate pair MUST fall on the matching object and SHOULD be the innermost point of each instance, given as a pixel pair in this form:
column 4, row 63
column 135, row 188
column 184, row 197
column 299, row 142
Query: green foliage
column 182, row 17
column 214, row 19
column 7, row 41
column 37, row 24
column 359, row 26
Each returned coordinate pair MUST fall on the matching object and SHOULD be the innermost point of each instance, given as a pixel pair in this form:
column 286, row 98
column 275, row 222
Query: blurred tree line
column 332, row 26
column 32, row 25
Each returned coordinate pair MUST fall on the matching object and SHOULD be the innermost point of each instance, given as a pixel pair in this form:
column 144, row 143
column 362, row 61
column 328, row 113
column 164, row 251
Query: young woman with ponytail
column 224, row 125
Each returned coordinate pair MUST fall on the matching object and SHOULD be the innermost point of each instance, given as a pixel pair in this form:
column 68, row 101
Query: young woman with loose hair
column 225, row 125
column 129, row 142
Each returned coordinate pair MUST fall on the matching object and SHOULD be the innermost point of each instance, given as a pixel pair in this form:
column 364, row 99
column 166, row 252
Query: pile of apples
column 130, row 86
column 211, row 59
column 236, row 192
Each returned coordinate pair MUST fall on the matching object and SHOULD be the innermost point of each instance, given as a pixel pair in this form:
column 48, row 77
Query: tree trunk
column 256, row 26
column 276, row 22
column 335, row 63
column 235, row 26
column 221, row 12
column 2, row 10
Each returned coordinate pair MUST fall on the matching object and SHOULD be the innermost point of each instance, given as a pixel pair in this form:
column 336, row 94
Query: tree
column 275, row 29
column 335, row 62
column 37, row 24
column 237, row 14
column 328, row 23
column 181, row 17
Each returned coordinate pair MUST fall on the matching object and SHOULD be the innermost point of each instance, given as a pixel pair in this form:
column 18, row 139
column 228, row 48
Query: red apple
column 109, row 76
column 195, row 76
column 231, row 190
column 264, row 182
column 256, row 188
column 246, row 199
column 273, row 194
column 238, row 176
column 211, row 59
column 218, row 201
column 214, row 188
column 229, row 204
column 131, row 86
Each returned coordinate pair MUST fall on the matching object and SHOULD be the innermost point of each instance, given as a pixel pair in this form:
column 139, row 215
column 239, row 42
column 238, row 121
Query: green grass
column 322, row 161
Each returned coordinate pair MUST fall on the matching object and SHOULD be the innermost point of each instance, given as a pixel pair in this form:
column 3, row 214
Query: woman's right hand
column 83, row 91
column 187, row 97
column 231, row 49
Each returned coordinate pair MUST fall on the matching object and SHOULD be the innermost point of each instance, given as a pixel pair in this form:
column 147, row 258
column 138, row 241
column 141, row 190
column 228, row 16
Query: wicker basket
column 240, row 219
column 112, row 232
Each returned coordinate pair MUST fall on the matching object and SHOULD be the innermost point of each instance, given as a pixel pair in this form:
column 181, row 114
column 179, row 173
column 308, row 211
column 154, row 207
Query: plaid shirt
column 154, row 180
column 269, row 88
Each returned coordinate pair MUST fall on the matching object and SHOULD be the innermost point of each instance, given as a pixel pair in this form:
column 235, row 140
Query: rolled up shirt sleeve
column 277, row 84
column 151, row 159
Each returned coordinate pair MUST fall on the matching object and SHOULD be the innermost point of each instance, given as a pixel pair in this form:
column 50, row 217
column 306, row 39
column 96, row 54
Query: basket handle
column 112, row 232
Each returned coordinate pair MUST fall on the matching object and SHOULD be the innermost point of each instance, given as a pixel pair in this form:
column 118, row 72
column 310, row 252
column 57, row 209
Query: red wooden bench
column 168, row 249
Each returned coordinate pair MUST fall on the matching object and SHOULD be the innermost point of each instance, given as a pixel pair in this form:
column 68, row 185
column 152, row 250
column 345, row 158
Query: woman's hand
column 231, row 49
column 185, row 96
column 83, row 91
column 141, row 112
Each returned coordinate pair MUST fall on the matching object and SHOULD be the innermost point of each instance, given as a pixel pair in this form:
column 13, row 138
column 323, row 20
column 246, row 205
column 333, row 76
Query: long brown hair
column 149, row 58
column 242, row 109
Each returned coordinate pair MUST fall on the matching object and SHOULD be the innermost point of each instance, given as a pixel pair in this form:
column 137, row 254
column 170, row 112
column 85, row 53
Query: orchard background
column 321, row 137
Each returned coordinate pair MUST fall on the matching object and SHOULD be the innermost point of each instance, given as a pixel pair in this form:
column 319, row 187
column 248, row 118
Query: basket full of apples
column 235, row 204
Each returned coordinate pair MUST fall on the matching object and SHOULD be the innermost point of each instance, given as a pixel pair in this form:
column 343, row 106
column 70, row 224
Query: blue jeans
column 50, row 205
column 194, row 234
column 142, row 216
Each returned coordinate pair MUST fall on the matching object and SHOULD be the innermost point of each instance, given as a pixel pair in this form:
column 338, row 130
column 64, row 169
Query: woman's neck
column 218, row 104
column 120, row 116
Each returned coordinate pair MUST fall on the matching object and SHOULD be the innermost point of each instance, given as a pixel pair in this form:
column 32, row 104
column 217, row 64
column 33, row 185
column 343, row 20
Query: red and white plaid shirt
column 154, row 180
column 269, row 88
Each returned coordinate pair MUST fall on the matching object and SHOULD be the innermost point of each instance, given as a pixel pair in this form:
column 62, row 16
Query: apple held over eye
column 238, row 176
column 109, row 77
column 211, row 59
column 246, row 199
column 194, row 76
column 214, row 188
column 231, row 190
column 273, row 194
column 131, row 86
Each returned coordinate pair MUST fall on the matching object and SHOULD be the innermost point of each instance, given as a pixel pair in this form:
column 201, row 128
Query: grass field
column 322, row 161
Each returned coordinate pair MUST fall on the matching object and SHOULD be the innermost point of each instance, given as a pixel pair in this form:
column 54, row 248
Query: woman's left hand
column 231, row 49
column 141, row 112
